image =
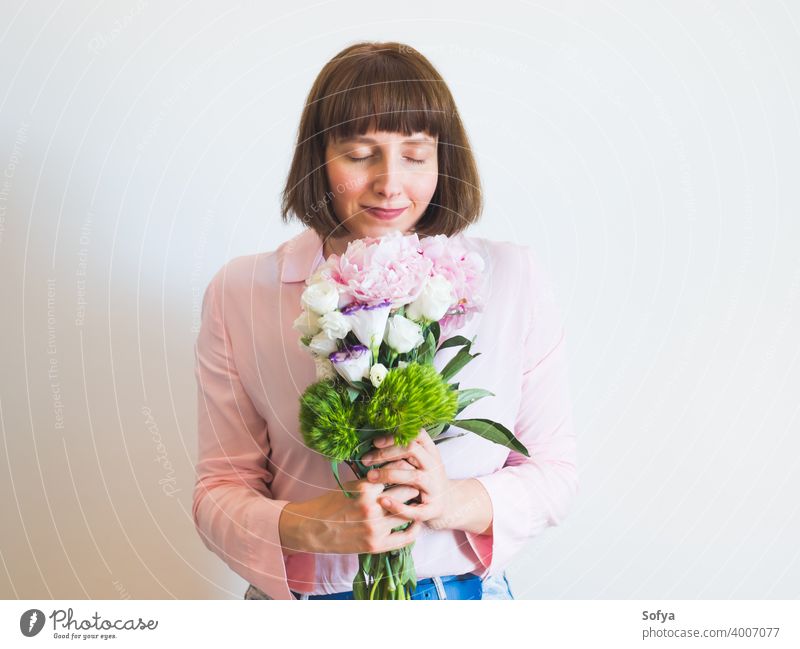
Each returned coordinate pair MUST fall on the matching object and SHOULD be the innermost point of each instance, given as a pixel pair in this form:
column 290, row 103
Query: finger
column 364, row 488
column 407, row 536
column 391, row 522
column 425, row 439
column 393, row 476
column 399, row 464
column 410, row 512
column 383, row 442
column 401, row 493
column 415, row 454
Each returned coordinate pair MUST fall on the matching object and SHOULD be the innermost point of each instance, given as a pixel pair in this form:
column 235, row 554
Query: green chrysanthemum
column 327, row 421
column 410, row 398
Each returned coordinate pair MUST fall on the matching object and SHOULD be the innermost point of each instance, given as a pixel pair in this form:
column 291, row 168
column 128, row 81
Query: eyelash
column 364, row 159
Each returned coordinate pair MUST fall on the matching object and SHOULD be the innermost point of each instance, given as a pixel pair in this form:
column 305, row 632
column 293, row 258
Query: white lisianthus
column 403, row 335
column 377, row 373
column 352, row 364
column 323, row 345
column 307, row 323
column 320, row 297
column 434, row 300
column 402, row 364
column 368, row 323
column 335, row 324
column 324, row 368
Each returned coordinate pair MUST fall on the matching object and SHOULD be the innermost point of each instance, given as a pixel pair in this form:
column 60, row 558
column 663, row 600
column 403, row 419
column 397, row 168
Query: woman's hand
column 417, row 465
column 336, row 524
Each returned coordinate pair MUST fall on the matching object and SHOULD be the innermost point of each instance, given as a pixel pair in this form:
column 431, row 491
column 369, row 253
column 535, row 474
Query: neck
column 336, row 245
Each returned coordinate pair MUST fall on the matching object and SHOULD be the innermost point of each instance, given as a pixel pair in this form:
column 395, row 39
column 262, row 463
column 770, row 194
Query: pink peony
column 373, row 270
column 461, row 267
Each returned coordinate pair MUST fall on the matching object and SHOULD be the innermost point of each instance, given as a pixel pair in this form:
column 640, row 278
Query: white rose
column 307, row 323
column 320, row 297
column 322, row 345
column 335, row 324
column 434, row 300
column 403, row 335
column 377, row 373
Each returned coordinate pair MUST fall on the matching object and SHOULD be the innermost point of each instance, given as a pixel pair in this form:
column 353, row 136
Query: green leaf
column 492, row 431
column 426, row 349
column 433, row 431
column 366, row 436
column 366, row 563
column 362, row 468
column 360, row 587
column 455, row 341
column 352, row 393
column 397, row 565
column 466, row 397
column 457, row 363
column 436, row 331
column 335, row 469
column 430, row 349
column 440, row 440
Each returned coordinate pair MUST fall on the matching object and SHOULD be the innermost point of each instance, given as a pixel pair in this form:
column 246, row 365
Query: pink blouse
column 251, row 372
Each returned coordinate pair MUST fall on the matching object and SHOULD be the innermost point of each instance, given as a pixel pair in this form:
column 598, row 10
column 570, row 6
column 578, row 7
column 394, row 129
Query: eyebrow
column 368, row 140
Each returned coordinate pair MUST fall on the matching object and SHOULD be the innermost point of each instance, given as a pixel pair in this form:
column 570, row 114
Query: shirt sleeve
column 233, row 509
column 532, row 493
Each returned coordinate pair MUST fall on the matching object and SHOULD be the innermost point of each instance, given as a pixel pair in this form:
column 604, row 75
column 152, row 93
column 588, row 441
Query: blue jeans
column 497, row 588
column 493, row 588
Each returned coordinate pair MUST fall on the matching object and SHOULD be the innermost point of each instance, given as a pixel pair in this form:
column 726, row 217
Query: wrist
column 445, row 520
column 290, row 524
column 467, row 506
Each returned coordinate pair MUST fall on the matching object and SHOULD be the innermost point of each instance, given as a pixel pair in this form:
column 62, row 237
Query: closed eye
column 365, row 158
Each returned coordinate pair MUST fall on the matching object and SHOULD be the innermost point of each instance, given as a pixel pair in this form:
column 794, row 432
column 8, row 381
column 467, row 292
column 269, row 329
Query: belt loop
column 304, row 596
column 437, row 581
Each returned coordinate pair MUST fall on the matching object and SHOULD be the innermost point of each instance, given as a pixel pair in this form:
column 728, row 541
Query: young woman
column 380, row 147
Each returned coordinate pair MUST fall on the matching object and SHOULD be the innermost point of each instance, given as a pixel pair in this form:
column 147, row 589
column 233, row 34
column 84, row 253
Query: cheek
column 422, row 186
column 345, row 183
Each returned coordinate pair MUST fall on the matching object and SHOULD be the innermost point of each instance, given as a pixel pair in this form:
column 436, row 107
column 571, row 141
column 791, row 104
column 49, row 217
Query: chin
column 378, row 229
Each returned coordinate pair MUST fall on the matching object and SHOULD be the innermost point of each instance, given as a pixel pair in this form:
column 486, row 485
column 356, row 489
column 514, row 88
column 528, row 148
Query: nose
column 388, row 181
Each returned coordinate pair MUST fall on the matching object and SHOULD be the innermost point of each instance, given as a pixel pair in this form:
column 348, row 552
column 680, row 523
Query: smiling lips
column 385, row 215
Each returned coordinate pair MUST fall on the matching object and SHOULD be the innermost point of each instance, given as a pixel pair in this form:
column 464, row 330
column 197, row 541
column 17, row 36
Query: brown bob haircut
column 384, row 87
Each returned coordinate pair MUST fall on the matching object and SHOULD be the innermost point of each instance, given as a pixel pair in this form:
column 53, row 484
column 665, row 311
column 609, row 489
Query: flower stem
column 389, row 574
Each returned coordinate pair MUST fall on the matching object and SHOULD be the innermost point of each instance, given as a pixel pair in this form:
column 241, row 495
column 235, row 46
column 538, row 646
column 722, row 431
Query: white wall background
column 650, row 153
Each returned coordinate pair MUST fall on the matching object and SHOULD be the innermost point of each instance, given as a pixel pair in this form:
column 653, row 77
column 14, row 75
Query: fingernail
column 372, row 475
column 386, row 502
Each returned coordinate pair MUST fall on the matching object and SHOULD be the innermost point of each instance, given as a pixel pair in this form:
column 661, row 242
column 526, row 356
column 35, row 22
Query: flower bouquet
column 374, row 319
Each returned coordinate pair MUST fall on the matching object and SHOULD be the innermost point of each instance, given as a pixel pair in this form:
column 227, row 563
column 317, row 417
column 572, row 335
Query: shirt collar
column 301, row 256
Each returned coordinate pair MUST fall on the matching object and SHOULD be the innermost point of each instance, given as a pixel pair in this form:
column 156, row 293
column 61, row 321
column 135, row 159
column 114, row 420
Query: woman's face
column 379, row 171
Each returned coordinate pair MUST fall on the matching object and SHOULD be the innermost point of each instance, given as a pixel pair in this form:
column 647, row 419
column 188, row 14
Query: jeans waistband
column 466, row 586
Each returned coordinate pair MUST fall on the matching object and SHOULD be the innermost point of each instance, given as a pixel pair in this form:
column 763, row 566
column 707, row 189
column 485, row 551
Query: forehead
column 387, row 137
